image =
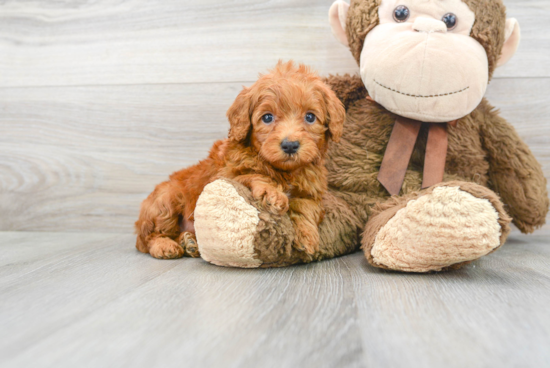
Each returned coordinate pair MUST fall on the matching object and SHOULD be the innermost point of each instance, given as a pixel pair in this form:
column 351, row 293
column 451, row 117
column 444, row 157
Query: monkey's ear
column 512, row 35
column 337, row 16
column 239, row 117
column 336, row 115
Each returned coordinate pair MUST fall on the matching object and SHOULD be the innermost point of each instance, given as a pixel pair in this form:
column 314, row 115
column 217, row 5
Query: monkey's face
column 428, row 60
column 420, row 61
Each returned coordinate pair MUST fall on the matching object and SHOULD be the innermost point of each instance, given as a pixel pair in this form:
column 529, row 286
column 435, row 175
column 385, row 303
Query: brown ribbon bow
column 399, row 150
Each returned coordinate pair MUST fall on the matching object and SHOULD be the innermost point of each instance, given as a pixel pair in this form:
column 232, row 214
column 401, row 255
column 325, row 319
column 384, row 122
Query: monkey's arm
column 514, row 172
column 347, row 87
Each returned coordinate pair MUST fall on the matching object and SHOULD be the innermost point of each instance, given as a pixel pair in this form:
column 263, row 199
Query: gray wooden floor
column 91, row 300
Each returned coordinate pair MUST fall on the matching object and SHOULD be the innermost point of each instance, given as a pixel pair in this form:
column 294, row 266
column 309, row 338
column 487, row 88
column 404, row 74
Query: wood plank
column 108, row 305
column 68, row 152
column 524, row 103
column 21, row 250
column 83, row 158
column 533, row 55
column 140, row 42
column 195, row 313
column 66, row 282
column 490, row 314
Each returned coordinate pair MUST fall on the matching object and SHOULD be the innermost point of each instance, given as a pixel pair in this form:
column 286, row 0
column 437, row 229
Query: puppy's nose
column 290, row 147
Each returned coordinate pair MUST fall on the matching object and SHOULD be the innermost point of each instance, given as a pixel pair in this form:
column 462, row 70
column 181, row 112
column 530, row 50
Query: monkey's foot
column 444, row 227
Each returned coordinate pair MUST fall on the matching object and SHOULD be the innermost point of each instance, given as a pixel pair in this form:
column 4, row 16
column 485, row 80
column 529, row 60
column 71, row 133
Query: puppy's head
column 287, row 116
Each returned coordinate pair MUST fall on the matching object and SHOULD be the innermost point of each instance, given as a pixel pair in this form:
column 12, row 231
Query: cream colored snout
column 429, row 25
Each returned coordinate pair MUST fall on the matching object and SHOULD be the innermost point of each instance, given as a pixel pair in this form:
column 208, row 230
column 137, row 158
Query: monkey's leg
column 233, row 231
column 442, row 227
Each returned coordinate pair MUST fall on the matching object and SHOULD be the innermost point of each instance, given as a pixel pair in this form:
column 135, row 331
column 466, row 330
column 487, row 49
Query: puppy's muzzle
column 290, row 147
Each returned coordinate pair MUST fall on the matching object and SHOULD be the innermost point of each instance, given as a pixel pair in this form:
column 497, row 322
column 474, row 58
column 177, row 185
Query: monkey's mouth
column 420, row 96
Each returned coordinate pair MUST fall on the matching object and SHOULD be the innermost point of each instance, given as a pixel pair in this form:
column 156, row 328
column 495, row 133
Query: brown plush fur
column 488, row 28
column 483, row 148
column 253, row 157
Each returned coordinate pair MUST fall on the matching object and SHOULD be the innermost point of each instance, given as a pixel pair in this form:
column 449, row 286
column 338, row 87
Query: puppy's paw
column 188, row 242
column 273, row 200
column 276, row 202
column 165, row 248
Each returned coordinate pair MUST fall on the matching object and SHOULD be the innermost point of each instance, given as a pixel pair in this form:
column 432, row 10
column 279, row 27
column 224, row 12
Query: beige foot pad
column 225, row 226
column 437, row 230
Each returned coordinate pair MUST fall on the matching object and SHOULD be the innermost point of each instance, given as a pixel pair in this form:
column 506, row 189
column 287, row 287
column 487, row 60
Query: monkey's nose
column 290, row 147
column 429, row 25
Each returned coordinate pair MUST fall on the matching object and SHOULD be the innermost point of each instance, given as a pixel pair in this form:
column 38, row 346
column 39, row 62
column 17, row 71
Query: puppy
column 279, row 132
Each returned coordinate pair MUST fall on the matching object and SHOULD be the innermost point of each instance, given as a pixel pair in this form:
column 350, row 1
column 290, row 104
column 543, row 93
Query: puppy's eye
column 267, row 118
column 401, row 13
column 310, row 118
column 450, row 20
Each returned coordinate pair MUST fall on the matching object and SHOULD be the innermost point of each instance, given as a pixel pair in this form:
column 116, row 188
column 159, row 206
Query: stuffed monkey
column 427, row 176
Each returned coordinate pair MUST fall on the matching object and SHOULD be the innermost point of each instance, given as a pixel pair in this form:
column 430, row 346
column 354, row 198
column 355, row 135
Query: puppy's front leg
column 306, row 215
column 265, row 190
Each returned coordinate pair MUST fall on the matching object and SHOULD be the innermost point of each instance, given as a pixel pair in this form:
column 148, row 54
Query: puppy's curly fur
column 254, row 155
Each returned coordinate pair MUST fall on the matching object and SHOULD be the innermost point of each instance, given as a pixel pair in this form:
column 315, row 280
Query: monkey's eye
column 401, row 13
column 267, row 118
column 310, row 118
column 450, row 20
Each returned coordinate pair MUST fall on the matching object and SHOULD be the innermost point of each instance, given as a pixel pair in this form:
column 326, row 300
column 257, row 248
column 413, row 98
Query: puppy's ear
column 336, row 114
column 239, row 117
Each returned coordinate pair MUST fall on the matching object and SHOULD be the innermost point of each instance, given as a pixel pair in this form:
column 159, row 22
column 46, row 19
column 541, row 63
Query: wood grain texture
column 95, row 301
column 47, row 43
column 68, row 152
column 83, row 158
column 490, row 314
